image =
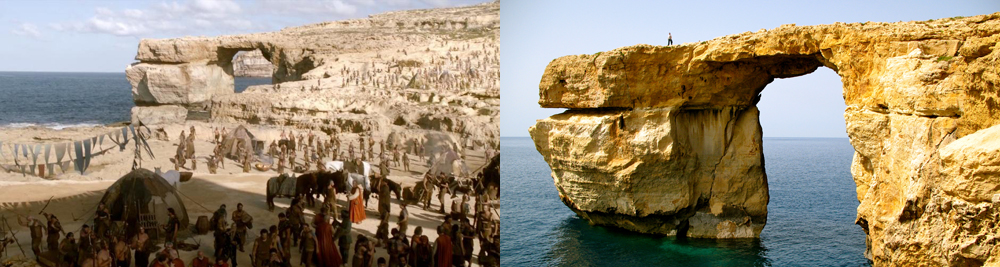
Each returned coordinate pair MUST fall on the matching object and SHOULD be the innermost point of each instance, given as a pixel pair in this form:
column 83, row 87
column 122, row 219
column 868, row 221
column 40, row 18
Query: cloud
column 189, row 17
column 173, row 18
column 321, row 7
column 27, row 29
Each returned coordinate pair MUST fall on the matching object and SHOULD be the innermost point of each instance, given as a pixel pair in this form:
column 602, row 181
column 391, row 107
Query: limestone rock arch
column 666, row 139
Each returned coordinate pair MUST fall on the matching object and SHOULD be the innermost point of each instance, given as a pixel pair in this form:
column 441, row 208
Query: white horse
column 352, row 178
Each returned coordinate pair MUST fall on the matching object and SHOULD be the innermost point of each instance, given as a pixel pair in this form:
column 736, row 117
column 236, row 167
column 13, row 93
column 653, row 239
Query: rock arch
column 666, row 139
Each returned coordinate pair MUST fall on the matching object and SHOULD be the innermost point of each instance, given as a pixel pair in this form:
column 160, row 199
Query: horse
column 315, row 183
column 393, row 186
column 281, row 186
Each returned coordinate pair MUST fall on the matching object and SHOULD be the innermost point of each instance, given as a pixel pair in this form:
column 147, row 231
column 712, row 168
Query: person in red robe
column 357, row 204
column 444, row 250
column 327, row 252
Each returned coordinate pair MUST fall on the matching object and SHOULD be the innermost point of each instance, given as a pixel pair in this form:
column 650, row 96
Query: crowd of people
column 325, row 240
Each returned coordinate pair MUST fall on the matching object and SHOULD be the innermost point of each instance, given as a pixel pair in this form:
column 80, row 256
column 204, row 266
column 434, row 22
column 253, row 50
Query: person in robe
column 327, row 252
column 70, row 251
column 179, row 157
column 201, row 260
column 54, row 229
column 240, row 223
column 357, row 205
column 442, row 249
column 343, row 235
column 189, row 149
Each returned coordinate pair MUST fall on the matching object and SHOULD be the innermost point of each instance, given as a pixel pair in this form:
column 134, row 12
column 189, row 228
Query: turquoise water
column 810, row 219
column 62, row 99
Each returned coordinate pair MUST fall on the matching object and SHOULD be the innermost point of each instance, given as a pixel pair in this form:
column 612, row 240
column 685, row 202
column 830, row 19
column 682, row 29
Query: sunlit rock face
column 666, row 139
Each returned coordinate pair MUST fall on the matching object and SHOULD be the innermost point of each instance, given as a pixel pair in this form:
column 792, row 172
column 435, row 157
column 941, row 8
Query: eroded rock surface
column 407, row 72
column 665, row 139
column 252, row 64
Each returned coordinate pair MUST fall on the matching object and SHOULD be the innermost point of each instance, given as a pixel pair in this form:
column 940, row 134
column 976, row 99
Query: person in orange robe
column 444, row 250
column 357, row 205
column 327, row 252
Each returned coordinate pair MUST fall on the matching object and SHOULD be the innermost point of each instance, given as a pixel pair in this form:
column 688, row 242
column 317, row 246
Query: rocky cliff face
column 665, row 139
column 406, row 73
column 251, row 64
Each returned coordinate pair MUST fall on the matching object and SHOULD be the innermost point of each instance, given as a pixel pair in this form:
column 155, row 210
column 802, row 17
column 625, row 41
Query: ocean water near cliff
column 810, row 216
column 62, row 99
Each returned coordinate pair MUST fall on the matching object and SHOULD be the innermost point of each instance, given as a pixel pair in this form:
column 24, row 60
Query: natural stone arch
column 666, row 140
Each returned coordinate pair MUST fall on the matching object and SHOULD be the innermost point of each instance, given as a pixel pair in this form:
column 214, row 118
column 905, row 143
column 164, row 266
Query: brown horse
column 313, row 184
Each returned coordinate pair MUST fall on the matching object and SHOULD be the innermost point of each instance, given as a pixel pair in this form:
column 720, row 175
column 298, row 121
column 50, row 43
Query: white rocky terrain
column 400, row 75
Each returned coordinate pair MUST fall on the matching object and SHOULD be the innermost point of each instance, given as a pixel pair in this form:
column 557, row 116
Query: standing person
column 104, row 255
column 70, row 251
column 220, row 262
column 179, row 158
column 173, row 225
column 343, row 235
column 328, row 254
column 357, row 204
column 670, row 39
column 308, row 246
column 240, row 220
column 54, row 229
column 468, row 233
column 458, row 251
column 442, row 191
column 384, row 205
column 189, row 153
column 37, row 230
column 261, row 250
column 102, row 220
column 123, row 256
column 142, row 246
column 363, row 252
column 442, row 248
column 404, row 220
column 428, row 185
column 295, row 214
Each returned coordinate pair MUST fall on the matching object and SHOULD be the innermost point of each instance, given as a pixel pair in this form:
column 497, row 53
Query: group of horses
column 313, row 184
column 344, row 175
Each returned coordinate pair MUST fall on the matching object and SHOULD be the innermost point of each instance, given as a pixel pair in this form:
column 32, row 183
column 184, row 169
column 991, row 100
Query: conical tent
column 142, row 192
column 239, row 137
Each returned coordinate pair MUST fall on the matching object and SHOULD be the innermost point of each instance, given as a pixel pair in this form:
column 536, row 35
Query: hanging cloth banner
column 100, row 141
column 60, row 152
column 24, row 151
column 64, row 166
column 124, row 139
column 93, row 142
column 48, row 148
column 41, row 170
column 34, row 155
column 78, row 161
column 86, row 155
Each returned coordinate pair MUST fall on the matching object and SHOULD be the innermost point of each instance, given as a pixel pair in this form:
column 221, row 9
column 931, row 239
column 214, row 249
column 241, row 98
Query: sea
column 810, row 220
column 63, row 99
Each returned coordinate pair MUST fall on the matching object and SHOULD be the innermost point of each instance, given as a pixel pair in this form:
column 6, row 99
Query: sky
column 533, row 33
column 102, row 36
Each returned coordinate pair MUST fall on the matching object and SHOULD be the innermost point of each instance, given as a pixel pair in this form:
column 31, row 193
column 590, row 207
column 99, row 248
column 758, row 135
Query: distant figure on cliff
column 670, row 39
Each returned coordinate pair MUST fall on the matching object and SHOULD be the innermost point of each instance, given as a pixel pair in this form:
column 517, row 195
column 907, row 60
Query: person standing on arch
column 670, row 39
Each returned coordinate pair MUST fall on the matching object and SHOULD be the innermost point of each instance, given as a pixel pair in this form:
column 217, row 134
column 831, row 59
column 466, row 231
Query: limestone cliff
column 666, row 139
column 406, row 73
column 251, row 64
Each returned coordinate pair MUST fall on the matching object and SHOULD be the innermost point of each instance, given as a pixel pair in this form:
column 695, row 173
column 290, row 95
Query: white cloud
column 27, row 29
column 212, row 17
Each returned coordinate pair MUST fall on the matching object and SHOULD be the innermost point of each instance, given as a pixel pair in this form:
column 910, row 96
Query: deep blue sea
column 61, row 99
column 810, row 216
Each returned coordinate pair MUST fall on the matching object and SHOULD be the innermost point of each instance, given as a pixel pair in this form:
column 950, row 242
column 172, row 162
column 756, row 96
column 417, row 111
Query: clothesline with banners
column 44, row 160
